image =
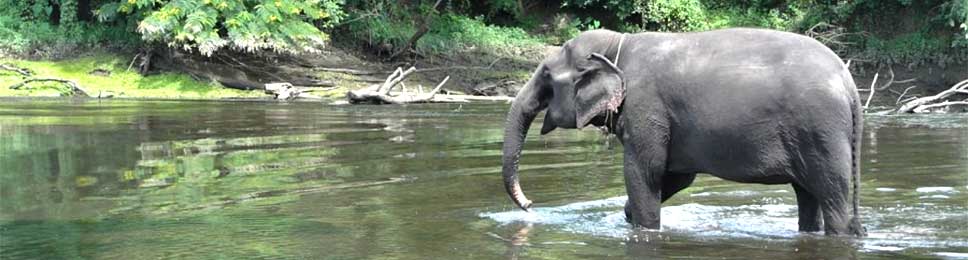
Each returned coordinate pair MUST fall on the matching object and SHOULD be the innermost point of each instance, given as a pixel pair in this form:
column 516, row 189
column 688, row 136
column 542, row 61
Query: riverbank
column 108, row 75
column 111, row 75
column 486, row 48
column 336, row 71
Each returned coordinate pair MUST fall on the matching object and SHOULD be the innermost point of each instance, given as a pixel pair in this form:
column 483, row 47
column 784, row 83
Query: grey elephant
column 746, row 105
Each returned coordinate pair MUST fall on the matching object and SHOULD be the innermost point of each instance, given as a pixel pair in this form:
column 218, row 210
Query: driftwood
column 890, row 82
column 74, row 88
column 286, row 91
column 384, row 94
column 23, row 72
column 901, row 97
column 381, row 93
column 931, row 103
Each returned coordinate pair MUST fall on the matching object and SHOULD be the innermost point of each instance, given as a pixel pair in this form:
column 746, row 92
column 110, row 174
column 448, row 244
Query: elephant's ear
column 602, row 89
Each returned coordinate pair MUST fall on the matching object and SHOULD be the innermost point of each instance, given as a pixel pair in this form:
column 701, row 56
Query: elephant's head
column 579, row 85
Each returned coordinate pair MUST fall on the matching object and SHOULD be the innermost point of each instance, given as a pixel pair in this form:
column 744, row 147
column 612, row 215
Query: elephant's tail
column 857, row 118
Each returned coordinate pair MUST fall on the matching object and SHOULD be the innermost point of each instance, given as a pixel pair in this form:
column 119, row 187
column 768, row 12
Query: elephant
column 745, row 105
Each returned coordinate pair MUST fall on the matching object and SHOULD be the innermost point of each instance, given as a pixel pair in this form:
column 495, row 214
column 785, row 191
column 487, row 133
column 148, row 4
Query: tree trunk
column 84, row 12
column 422, row 29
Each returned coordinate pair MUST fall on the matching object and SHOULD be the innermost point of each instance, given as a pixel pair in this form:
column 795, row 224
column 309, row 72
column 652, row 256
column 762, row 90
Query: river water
column 249, row 180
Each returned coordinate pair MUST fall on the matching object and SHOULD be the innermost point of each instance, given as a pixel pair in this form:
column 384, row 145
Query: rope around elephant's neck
column 608, row 127
column 619, row 52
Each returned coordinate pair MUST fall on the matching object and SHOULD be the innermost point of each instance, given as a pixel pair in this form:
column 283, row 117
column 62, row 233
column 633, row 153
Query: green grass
column 120, row 82
column 738, row 17
column 911, row 47
column 455, row 32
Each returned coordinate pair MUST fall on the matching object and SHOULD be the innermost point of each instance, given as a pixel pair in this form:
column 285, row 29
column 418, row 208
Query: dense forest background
column 890, row 31
column 928, row 37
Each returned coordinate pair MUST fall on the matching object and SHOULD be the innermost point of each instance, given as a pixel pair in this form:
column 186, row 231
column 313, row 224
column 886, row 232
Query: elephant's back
column 737, row 87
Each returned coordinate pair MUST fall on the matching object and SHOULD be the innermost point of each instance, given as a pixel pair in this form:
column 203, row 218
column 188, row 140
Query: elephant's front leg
column 644, row 167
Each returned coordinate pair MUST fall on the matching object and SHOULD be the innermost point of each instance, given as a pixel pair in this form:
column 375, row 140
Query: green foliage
column 620, row 8
column 26, row 27
column 386, row 25
column 44, row 40
column 696, row 15
column 454, row 32
column 673, row 15
column 913, row 48
column 249, row 25
column 376, row 23
column 392, row 26
column 512, row 7
column 956, row 15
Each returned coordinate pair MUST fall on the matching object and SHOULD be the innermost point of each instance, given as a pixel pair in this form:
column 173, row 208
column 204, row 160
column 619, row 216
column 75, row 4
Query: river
column 124, row 179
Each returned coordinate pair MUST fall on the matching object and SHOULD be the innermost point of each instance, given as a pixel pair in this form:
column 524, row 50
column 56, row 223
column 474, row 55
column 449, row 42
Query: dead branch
column 892, row 81
column 872, row 89
column 830, row 35
column 23, row 72
column 922, row 105
column 286, row 91
column 898, row 101
column 384, row 94
column 132, row 61
column 74, row 88
column 395, row 79
column 927, row 108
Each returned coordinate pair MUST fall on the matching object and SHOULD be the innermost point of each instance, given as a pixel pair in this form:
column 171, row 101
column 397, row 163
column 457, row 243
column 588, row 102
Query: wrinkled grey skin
column 747, row 105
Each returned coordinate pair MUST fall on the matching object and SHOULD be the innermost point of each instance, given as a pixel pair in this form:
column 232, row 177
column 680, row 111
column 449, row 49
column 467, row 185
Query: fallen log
column 931, row 103
column 286, row 91
column 384, row 94
column 23, row 72
column 73, row 87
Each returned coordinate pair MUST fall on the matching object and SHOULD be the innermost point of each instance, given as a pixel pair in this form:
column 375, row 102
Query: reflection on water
column 202, row 180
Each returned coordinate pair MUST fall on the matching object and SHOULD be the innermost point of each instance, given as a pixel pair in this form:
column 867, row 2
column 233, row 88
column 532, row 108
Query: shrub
column 248, row 25
column 672, row 15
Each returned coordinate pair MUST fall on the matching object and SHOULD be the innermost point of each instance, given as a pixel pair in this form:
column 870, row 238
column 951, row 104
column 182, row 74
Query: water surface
column 229, row 180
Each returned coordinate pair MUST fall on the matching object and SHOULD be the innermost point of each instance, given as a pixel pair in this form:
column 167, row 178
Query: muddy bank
column 337, row 70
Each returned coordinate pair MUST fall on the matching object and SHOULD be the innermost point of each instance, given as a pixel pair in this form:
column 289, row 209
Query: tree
column 290, row 26
column 956, row 14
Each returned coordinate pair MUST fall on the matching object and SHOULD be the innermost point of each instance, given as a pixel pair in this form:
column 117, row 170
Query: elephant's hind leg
column 828, row 180
column 809, row 210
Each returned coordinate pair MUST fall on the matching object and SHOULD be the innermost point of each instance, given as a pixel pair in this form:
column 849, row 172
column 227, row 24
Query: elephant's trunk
column 526, row 106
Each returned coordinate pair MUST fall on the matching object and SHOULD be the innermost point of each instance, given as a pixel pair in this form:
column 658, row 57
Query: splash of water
column 606, row 218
